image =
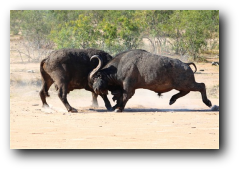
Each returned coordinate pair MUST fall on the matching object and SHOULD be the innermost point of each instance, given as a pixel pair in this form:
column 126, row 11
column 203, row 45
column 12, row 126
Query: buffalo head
column 100, row 86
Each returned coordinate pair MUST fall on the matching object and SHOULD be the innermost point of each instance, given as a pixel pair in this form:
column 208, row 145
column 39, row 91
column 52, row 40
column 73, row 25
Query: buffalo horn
column 98, row 67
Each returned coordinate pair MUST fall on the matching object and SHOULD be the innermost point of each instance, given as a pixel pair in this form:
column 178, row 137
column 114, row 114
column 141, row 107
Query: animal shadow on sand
column 133, row 110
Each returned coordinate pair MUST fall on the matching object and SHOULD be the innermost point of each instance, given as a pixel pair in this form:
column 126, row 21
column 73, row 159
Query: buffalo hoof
column 73, row 110
column 94, row 105
column 110, row 109
column 114, row 108
column 118, row 110
column 208, row 103
column 171, row 102
column 45, row 105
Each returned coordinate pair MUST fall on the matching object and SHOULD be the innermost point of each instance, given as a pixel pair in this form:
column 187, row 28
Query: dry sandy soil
column 148, row 121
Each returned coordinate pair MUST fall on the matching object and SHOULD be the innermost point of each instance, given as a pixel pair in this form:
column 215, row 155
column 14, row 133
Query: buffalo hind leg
column 62, row 94
column 44, row 91
column 202, row 89
column 204, row 95
column 176, row 96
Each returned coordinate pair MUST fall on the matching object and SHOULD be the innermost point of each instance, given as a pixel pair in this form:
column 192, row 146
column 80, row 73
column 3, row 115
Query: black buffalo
column 135, row 69
column 69, row 69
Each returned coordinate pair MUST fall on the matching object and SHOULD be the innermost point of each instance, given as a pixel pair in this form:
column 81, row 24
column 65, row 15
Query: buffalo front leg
column 176, row 96
column 62, row 94
column 107, row 102
column 119, row 101
column 128, row 92
column 94, row 100
column 121, row 104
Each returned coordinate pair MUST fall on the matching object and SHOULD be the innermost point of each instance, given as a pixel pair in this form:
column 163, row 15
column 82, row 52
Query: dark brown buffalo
column 68, row 69
column 136, row 69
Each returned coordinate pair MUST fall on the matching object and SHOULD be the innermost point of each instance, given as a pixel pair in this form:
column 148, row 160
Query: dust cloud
column 146, row 99
column 142, row 100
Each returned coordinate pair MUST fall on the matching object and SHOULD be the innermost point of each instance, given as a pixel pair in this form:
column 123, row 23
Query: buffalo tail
column 191, row 63
column 44, row 77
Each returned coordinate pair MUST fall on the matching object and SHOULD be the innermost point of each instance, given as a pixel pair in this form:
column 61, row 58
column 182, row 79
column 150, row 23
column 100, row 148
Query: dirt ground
column 147, row 123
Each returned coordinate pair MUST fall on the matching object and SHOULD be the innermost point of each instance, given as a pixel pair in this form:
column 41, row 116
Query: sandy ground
column 147, row 123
